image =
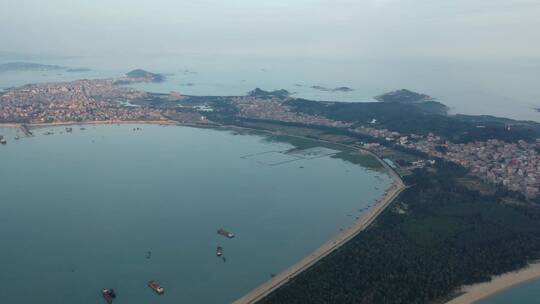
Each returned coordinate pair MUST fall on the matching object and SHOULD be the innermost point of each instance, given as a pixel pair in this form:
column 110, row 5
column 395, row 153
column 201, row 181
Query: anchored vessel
column 219, row 251
column 108, row 294
column 3, row 141
column 155, row 286
column 225, row 233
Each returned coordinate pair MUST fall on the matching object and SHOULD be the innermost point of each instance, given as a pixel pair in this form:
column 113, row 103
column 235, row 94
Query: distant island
column 76, row 70
column 265, row 94
column 338, row 89
column 28, row 66
column 140, row 75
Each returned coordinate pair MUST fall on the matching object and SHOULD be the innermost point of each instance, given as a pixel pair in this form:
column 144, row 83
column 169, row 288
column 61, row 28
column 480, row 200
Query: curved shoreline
column 324, row 250
column 331, row 245
column 476, row 292
column 90, row 122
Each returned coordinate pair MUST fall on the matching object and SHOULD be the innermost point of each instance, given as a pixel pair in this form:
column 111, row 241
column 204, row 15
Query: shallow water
column 527, row 293
column 79, row 211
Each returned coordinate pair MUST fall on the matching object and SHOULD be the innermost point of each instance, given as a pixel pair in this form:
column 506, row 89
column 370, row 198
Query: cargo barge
column 155, row 287
column 225, row 233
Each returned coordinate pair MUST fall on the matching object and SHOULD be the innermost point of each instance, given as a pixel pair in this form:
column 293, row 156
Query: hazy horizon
column 478, row 57
column 334, row 30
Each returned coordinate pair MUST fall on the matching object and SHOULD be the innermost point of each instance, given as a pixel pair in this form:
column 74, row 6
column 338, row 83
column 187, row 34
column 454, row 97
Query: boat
column 69, row 130
column 219, row 251
column 155, row 286
column 225, row 233
column 17, row 137
column 108, row 294
column 3, row 141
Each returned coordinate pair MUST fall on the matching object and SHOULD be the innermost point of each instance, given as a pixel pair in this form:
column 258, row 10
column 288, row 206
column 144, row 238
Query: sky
column 462, row 29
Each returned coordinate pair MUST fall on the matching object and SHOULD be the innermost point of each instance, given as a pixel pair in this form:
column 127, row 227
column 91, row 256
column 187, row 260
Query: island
column 464, row 207
column 28, row 66
column 140, row 75
column 338, row 89
column 78, row 70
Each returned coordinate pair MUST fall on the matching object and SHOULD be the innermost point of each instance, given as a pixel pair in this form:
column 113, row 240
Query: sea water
column 81, row 211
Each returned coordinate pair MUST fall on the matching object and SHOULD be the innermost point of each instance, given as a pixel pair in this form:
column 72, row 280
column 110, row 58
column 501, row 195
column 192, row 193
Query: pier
column 24, row 128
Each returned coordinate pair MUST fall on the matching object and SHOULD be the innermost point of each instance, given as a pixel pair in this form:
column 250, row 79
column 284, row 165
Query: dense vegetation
column 421, row 119
column 437, row 236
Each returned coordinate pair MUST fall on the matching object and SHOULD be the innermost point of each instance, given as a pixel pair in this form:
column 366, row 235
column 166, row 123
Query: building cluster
column 82, row 100
column 514, row 165
column 275, row 109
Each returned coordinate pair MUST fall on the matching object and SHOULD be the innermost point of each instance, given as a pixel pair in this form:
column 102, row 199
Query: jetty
column 24, row 128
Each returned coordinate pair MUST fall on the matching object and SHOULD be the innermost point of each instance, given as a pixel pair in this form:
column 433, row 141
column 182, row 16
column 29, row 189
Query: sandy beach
column 347, row 234
column 476, row 292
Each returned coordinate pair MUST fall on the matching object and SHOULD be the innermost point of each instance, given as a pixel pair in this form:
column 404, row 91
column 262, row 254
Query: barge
column 156, row 287
column 225, row 233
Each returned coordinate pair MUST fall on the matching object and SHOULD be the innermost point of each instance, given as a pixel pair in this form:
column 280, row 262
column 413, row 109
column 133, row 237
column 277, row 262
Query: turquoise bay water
column 527, row 293
column 80, row 211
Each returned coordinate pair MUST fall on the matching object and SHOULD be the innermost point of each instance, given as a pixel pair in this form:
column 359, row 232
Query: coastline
column 325, row 249
column 90, row 122
column 331, row 245
column 476, row 292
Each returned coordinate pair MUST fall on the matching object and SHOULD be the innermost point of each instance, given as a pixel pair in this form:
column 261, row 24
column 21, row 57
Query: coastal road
column 343, row 237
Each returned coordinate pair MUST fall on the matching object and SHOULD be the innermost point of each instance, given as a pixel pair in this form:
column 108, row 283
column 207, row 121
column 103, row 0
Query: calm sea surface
column 80, row 211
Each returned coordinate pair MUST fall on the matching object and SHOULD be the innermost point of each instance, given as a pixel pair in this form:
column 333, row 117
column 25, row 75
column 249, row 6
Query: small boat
column 108, row 294
column 3, row 141
column 219, row 251
column 149, row 254
column 17, row 137
column 225, row 233
column 155, row 287
column 69, row 130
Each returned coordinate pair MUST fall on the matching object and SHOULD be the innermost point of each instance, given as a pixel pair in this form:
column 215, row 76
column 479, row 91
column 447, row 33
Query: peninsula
column 470, row 209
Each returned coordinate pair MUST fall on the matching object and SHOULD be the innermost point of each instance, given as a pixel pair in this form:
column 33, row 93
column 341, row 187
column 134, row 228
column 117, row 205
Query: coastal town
column 513, row 165
column 75, row 101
